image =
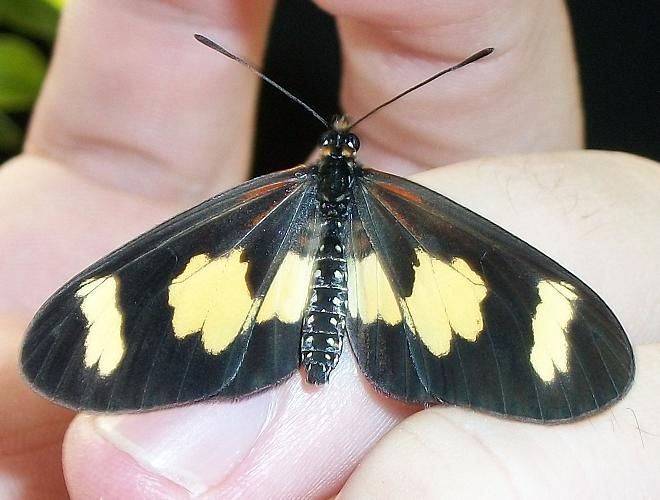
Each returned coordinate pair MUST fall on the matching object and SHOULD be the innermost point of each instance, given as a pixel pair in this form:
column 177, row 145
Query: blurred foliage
column 22, row 67
column 27, row 31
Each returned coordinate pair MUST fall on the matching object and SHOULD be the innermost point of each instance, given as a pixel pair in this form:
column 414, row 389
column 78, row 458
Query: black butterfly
column 233, row 295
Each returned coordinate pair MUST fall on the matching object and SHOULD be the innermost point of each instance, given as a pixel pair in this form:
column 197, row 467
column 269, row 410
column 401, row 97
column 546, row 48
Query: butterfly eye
column 353, row 142
column 328, row 138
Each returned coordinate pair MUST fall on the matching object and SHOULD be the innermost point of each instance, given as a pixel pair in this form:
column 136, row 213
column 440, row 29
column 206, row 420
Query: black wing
column 206, row 304
column 463, row 312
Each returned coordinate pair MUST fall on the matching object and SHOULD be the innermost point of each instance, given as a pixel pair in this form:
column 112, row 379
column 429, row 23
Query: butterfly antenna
column 219, row 48
column 471, row 59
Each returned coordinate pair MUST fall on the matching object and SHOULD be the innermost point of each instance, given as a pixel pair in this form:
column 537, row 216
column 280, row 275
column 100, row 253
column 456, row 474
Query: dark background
column 618, row 46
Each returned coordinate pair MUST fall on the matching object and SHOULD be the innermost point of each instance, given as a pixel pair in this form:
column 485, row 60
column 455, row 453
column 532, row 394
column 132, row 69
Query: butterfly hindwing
column 484, row 320
column 208, row 303
column 376, row 324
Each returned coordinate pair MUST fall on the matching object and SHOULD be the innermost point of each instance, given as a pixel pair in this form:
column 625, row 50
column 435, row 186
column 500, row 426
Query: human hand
column 137, row 122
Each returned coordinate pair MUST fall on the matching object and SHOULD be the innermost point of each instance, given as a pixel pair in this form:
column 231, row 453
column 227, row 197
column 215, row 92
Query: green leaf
column 22, row 69
column 37, row 18
column 11, row 135
column 58, row 4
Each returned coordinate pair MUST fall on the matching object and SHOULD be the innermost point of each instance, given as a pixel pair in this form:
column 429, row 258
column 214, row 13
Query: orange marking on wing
column 402, row 193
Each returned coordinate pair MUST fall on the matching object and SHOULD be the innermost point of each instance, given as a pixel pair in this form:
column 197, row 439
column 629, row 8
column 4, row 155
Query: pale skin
column 130, row 129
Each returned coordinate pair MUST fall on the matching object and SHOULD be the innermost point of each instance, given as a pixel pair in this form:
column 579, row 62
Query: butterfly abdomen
column 324, row 325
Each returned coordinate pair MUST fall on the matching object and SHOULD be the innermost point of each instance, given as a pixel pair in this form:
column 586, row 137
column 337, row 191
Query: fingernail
column 196, row 446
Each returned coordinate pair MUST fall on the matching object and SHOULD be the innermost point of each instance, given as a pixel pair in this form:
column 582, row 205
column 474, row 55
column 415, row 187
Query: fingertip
column 94, row 468
column 190, row 450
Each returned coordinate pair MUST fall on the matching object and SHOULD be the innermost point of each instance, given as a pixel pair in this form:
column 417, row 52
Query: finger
column 457, row 453
column 522, row 98
column 133, row 101
column 294, row 441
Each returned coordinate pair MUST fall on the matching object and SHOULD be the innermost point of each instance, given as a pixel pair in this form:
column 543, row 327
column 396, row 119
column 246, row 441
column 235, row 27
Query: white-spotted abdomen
column 324, row 325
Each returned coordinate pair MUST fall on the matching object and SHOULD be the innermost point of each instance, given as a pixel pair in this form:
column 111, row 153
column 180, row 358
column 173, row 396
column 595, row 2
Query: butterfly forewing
column 484, row 320
column 207, row 304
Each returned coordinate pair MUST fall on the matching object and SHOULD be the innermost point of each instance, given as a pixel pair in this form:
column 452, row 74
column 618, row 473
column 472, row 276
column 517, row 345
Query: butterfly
column 231, row 297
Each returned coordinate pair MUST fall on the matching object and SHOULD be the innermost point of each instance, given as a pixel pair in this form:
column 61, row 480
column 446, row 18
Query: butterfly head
column 339, row 142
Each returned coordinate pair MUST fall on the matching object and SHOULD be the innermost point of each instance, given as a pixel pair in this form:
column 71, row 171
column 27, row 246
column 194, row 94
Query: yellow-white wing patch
column 104, row 343
column 370, row 294
column 445, row 301
column 554, row 312
column 288, row 294
column 211, row 296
